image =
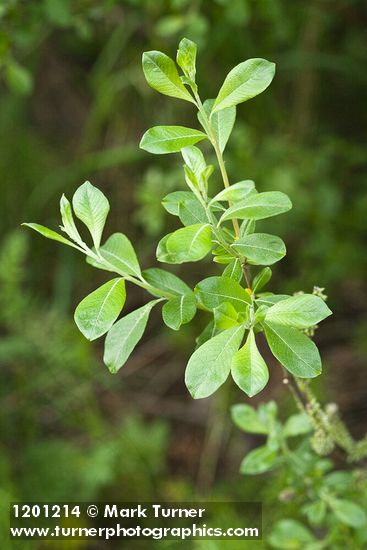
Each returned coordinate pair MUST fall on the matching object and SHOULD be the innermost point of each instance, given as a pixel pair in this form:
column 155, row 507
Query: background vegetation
column 73, row 106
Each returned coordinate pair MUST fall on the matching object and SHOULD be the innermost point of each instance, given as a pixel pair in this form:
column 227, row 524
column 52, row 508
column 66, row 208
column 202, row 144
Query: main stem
column 218, row 153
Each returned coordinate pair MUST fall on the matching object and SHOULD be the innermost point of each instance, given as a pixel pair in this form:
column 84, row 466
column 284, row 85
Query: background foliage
column 73, row 106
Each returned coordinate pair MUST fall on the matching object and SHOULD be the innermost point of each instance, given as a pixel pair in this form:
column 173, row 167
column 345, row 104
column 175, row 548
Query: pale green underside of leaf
column 294, row 350
column 96, row 314
column 49, row 234
column 213, row 291
column 68, row 220
column 301, row 311
column 124, row 336
column 249, row 369
column 234, row 270
column 166, row 281
column 161, row 74
column 169, row 139
column 91, row 207
column 186, row 56
column 260, row 248
column 172, row 201
column 243, row 82
column 261, row 279
column 179, row 311
column 210, row 365
column 120, row 255
column 259, row 206
column 236, row 192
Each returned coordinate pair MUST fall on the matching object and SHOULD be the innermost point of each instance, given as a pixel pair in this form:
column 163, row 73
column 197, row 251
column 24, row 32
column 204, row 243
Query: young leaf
column 246, row 418
column 221, row 123
column 179, row 311
column 161, row 74
column 234, row 270
column 96, row 314
column 124, row 335
column 225, row 316
column 166, row 281
column 186, row 57
column 261, row 279
column 243, row 82
column 189, row 244
column 348, row 512
column 260, row 460
column 260, row 248
column 294, row 350
column 205, row 335
column 236, row 192
column 213, row 291
column 247, row 228
column 91, row 207
column 172, row 201
column 302, row 311
column 68, row 220
column 210, row 365
column 249, row 369
column 161, row 140
column 259, row 206
column 120, row 254
column 49, row 234
column 194, row 159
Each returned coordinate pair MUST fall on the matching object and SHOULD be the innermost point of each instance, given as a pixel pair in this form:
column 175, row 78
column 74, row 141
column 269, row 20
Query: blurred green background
column 73, row 106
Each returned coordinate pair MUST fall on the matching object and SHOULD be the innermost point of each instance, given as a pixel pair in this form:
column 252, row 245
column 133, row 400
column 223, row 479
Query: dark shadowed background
column 73, row 106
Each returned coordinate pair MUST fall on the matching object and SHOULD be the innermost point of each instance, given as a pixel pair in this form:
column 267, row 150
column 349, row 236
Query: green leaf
column 268, row 299
column 288, row 534
column 49, row 234
column 210, row 365
column 68, row 220
column 294, row 350
column 243, row 82
column 260, row 248
column 247, row 227
column 179, row 311
column 206, row 334
column 160, row 140
column 213, row 291
column 348, row 512
column 259, row 206
column 234, row 270
column 120, row 254
column 261, row 279
column 302, row 311
column 163, row 255
column 186, row 57
column 172, row 201
column 236, row 192
column 225, row 316
column 166, row 281
column 124, row 335
column 246, row 418
column 297, row 424
column 192, row 212
column 315, row 512
column 249, row 369
column 18, row 78
column 260, row 460
column 91, row 207
column 161, row 74
column 221, row 123
column 96, row 314
column 189, row 244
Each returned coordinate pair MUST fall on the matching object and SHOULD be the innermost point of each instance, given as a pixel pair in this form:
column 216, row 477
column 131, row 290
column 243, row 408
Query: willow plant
column 224, row 225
